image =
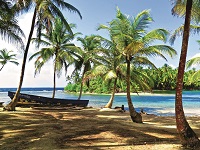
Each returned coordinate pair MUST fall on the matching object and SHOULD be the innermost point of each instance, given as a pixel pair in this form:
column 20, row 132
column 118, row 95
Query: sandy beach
column 78, row 129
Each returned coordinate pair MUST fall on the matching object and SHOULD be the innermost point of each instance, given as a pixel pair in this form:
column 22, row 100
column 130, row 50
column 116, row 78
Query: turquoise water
column 158, row 104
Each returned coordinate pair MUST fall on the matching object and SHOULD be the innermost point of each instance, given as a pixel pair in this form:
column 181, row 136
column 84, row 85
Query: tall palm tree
column 136, row 44
column 57, row 46
column 45, row 12
column 187, row 135
column 87, row 56
column 6, row 57
column 9, row 28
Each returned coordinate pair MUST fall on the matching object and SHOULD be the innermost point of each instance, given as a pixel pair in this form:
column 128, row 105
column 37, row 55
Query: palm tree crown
column 9, row 28
column 88, row 55
column 6, row 57
column 57, row 45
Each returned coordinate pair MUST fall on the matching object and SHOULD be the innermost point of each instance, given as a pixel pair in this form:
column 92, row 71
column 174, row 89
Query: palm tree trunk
column 135, row 116
column 54, row 81
column 13, row 103
column 187, row 135
column 2, row 67
column 110, row 102
column 81, row 88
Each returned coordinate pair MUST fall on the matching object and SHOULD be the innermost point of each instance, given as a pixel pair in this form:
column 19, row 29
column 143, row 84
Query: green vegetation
column 6, row 57
column 9, row 28
column 57, row 46
column 164, row 78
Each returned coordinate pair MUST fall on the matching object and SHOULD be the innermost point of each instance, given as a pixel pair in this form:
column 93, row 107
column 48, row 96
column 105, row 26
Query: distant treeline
column 163, row 78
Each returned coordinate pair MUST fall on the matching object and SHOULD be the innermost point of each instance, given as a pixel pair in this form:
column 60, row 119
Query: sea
column 158, row 104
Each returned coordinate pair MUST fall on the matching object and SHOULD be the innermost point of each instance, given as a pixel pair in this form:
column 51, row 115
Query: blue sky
column 101, row 12
column 95, row 12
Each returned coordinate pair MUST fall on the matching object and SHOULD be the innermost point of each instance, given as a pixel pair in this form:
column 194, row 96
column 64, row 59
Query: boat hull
column 47, row 101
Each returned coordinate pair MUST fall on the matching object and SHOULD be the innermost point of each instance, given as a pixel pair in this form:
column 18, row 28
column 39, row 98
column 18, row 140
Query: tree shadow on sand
column 83, row 129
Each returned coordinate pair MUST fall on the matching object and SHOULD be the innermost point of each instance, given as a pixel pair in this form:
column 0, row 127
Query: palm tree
column 6, row 57
column 45, row 12
column 87, row 56
column 135, row 43
column 114, row 68
column 9, row 28
column 58, row 46
column 187, row 135
column 110, row 69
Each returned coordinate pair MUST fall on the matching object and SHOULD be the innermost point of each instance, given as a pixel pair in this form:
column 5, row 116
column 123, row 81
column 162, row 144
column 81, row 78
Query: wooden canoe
column 47, row 101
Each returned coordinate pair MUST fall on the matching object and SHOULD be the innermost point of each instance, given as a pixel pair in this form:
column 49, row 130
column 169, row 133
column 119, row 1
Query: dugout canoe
column 41, row 100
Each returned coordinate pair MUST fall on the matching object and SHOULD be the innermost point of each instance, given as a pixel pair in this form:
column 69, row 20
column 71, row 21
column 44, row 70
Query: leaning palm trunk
column 110, row 102
column 187, row 135
column 135, row 116
column 54, row 81
column 2, row 67
column 81, row 91
column 81, row 88
column 11, row 106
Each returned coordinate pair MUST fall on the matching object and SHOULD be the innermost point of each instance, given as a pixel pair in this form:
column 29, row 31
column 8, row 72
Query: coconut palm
column 87, row 56
column 110, row 69
column 9, row 28
column 45, row 12
column 114, row 68
column 136, row 44
column 187, row 135
column 57, row 46
column 6, row 57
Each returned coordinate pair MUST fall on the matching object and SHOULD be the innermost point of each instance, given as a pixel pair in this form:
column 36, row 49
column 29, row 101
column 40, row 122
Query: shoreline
column 124, row 94
column 161, row 106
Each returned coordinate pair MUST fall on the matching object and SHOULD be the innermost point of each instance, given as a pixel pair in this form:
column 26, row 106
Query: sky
column 94, row 13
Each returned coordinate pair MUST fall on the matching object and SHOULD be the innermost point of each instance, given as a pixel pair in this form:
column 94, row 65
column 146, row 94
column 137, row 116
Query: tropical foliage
column 57, row 46
column 164, row 78
column 45, row 12
column 9, row 28
column 192, row 62
column 87, row 56
column 6, row 57
column 136, row 44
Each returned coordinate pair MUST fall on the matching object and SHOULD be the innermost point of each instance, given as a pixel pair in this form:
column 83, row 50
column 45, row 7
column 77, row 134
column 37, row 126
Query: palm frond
column 157, row 34
column 193, row 61
column 142, row 21
column 179, row 9
column 179, row 32
column 196, row 76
